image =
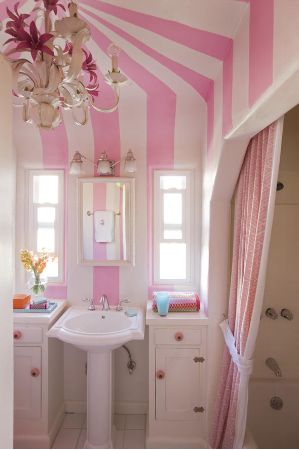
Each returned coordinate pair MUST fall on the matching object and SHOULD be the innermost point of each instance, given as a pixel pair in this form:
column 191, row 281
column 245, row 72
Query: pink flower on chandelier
column 32, row 41
column 61, row 73
column 52, row 5
column 17, row 20
column 89, row 66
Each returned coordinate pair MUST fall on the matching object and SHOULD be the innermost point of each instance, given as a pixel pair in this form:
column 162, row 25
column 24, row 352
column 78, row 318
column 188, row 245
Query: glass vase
column 37, row 285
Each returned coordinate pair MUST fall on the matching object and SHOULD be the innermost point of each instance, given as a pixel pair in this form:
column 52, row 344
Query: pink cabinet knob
column 160, row 374
column 17, row 334
column 179, row 336
column 35, row 372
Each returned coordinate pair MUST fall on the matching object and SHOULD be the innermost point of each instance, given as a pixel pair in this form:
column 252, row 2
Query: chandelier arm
column 84, row 121
column 108, row 109
column 16, row 70
column 77, row 55
column 26, row 116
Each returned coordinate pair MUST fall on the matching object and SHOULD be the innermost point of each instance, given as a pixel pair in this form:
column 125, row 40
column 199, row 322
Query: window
column 45, row 228
column 173, row 227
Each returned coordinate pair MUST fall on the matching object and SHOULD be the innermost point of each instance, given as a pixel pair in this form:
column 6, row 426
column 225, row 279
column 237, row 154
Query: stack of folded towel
column 40, row 304
column 180, row 302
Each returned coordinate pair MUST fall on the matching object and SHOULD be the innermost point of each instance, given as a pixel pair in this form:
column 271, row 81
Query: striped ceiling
column 168, row 46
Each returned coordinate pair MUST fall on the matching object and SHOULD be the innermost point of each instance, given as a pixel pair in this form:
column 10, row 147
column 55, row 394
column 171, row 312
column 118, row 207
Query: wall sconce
column 104, row 165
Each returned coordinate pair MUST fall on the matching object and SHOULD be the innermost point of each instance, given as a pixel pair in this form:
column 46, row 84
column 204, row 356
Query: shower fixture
column 271, row 313
column 273, row 365
column 276, row 403
column 287, row 314
column 279, row 186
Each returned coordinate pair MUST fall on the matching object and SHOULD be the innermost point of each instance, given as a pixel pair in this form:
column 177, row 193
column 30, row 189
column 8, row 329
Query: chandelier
column 59, row 72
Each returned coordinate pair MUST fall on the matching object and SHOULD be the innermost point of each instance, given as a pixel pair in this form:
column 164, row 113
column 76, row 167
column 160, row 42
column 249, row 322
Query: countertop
column 42, row 318
column 175, row 318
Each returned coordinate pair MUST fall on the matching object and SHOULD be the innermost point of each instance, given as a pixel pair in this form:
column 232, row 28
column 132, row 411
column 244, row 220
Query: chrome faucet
column 120, row 304
column 273, row 365
column 104, row 302
column 91, row 306
column 287, row 314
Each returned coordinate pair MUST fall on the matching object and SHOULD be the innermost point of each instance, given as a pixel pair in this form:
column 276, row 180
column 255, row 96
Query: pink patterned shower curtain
column 254, row 209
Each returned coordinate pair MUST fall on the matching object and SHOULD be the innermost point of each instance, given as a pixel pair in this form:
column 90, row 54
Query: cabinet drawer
column 178, row 335
column 27, row 335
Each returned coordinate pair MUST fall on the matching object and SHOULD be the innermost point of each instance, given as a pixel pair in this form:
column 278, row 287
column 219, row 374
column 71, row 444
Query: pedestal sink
column 98, row 333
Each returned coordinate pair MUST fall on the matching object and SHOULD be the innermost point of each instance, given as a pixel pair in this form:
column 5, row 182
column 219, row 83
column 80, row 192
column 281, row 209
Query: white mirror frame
column 130, row 261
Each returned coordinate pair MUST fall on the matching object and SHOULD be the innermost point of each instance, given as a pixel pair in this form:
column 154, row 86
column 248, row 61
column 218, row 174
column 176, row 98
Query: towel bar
column 89, row 213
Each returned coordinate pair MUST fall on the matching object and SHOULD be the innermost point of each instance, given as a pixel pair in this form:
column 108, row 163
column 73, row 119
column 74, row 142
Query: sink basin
column 97, row 330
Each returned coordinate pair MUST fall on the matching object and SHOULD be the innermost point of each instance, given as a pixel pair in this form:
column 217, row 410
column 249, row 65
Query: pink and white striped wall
column 194, row 74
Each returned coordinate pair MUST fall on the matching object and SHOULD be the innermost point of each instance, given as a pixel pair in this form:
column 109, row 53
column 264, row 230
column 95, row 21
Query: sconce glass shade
column 130, row 162
column 76, row 165
column 104, row 165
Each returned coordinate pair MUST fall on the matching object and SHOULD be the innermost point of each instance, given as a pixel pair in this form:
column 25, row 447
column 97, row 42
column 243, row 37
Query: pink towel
column 40, row 305
column 180, row 302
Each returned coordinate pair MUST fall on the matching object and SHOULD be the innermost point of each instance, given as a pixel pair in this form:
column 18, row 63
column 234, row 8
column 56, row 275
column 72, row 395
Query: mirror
column 106, row 221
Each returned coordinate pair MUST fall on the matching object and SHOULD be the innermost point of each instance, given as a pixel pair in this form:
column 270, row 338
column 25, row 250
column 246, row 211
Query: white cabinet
column 177, row 380
column 38, row 379
column 27, row 382
column 177, row 383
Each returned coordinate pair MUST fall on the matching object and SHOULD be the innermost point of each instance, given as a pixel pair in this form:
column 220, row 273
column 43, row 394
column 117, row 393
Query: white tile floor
column 130, row 431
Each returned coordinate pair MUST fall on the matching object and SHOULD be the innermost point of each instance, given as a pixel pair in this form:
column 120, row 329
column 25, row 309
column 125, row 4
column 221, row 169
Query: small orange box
column 20, row 301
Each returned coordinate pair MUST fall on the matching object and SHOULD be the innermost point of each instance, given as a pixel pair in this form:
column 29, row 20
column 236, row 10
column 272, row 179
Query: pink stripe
column 56, row 291
column 160, row 122
column 106, row 137
column 227, row 92
column 203, row 41
column 200, row 83
column 121, row 224
column 55, row 156
column 260, row 47
column 210, row 119
column 55, row 148
column 106, row 281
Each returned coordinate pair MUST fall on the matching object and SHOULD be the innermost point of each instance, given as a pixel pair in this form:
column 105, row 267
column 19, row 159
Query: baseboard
column 131, row 407
column 71, row 406
column 31, row 441
column 56, row 425
column 165, row 442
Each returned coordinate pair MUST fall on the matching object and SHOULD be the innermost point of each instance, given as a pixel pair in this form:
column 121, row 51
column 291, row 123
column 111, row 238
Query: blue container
column 162, row 299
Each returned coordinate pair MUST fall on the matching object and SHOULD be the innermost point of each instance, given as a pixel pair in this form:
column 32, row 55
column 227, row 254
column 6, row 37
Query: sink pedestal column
column 99, row 399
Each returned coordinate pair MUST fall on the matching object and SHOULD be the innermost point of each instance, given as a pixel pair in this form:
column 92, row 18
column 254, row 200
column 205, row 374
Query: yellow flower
column 34, row 263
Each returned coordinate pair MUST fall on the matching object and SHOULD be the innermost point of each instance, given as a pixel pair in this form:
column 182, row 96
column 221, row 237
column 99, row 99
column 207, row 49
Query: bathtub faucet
column 273, row 365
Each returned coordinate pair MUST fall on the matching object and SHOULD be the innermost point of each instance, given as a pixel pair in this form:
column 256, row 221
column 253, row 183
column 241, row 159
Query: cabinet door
column 177, row 384
column 27, row 382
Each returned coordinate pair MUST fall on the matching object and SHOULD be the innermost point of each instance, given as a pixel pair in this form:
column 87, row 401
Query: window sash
column 187, row 227
column 58, row 226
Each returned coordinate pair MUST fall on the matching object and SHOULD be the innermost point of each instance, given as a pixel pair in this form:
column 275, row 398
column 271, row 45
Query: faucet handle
column 119, row 306
column 91, row 306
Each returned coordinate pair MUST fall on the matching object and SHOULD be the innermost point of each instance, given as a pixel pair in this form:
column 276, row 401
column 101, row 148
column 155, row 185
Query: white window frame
column 187, row 227
column 32, row 224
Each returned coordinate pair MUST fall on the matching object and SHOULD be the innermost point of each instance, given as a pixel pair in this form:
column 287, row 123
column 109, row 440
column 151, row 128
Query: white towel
column 104, row 226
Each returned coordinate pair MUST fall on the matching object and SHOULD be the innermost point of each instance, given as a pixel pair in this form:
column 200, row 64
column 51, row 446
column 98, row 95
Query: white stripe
column 240, row 72
column 221, row 17
column 133, row 282
column 80, row 279
column 188, row 98
column 199, row 62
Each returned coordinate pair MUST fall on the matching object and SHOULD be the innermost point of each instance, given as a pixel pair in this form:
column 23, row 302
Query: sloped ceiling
column 169, row 47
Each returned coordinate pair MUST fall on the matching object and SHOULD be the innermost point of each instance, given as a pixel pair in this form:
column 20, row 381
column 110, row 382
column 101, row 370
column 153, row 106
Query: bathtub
column 274, row 428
